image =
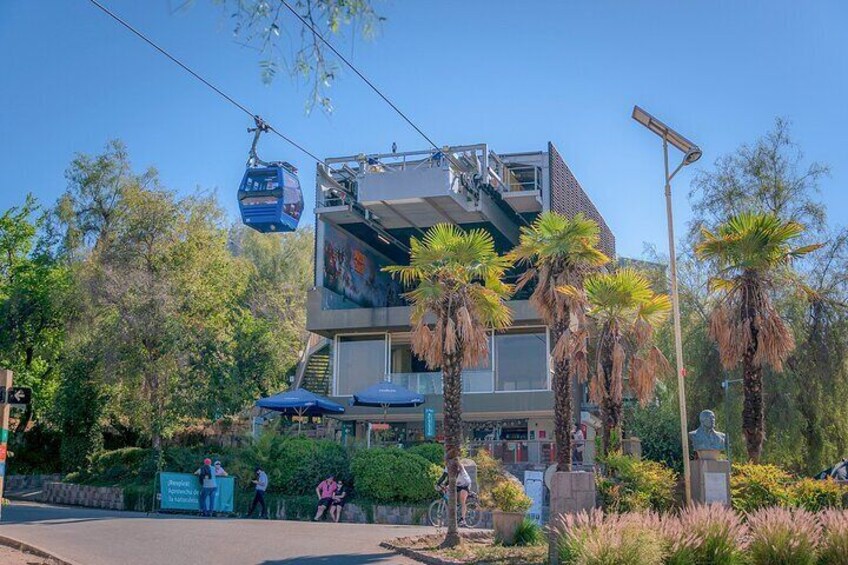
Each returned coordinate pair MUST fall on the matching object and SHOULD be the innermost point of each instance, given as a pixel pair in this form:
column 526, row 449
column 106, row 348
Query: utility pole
column 5, row 408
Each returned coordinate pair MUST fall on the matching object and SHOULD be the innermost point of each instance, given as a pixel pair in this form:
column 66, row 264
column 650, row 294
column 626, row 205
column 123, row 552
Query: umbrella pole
column 299, row 420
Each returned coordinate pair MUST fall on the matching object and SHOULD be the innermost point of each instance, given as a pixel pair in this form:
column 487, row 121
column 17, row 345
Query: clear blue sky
column 512, row 74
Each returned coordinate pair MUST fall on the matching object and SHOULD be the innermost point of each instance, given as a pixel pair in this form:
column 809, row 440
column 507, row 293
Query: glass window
column 521, row 361
column 361, row 361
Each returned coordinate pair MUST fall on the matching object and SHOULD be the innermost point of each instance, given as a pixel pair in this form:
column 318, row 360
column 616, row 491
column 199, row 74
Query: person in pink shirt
column 325, row 491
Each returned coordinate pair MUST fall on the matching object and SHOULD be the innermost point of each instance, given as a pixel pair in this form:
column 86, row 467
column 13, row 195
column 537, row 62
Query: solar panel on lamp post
column 691, row 154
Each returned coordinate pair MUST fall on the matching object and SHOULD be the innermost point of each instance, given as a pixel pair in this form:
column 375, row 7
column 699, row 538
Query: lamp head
column 692, row 151
column 692, row 155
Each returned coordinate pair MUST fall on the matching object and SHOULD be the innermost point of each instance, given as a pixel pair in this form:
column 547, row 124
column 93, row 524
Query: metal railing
column 431, row 382
column 538, row 452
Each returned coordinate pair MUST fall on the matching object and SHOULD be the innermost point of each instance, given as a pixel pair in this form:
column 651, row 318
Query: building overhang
column 328, row 322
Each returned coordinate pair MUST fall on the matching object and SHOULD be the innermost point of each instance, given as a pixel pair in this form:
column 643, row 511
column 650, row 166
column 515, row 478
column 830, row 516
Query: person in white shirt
column 463, row 486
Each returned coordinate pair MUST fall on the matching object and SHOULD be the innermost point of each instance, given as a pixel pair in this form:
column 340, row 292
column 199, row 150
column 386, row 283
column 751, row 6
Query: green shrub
column 294, row 466
column 490, row 473
column 129, row 465
column 138, row 498
column 834, row 540
column 754, row 486
column 614, row 539
column 509, row 496
column 394, row 475
column 815, row 495
column 631, row 484
column 529, row 532
column 432, row 452
column 780, row 535
column 709, row 535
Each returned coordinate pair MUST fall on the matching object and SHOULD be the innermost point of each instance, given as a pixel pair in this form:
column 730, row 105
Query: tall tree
column 33, row 291
column 626, row 312
column 768, row 176
column 457, row 277
column 751, row 253
column 560, row 253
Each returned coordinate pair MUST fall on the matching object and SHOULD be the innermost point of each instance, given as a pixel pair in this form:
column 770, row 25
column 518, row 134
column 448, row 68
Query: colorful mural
column 352, row 270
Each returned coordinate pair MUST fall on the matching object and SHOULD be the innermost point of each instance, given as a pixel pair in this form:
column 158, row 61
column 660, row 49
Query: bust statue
column 706, row 438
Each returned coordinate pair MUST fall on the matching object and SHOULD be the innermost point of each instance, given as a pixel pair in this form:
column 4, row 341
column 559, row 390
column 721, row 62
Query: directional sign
column 19, row 395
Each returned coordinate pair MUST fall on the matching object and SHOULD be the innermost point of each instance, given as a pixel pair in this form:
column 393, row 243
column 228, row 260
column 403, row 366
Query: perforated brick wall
column 569, row 198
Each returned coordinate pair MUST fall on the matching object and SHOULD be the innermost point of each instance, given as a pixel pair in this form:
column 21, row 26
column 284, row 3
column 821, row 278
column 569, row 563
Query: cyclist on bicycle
column 463, row 486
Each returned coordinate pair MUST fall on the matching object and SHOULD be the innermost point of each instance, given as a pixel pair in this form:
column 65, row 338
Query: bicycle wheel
column 436, row 513
column 472, row 514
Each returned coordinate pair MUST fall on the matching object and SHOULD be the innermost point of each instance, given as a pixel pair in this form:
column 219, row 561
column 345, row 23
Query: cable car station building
column 367, row 208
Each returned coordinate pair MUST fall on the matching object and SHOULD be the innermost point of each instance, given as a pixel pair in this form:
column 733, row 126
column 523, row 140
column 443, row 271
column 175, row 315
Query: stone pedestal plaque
column 711, row 481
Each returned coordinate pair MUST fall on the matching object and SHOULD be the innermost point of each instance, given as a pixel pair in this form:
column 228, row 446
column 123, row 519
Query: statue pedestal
column 632, row 446
column 711, row 481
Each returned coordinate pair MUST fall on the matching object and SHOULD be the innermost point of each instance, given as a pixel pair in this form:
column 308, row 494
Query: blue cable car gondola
column 269, row 197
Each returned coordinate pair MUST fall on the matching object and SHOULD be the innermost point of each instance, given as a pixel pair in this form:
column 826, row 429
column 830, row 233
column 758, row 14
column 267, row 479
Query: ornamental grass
column 782, row 535
column 833, row 549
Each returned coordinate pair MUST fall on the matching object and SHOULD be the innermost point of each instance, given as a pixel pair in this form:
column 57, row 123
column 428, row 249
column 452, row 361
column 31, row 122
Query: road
column 100, row 537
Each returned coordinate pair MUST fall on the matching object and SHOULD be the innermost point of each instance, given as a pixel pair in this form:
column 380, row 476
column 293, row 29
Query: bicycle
column 438, row 512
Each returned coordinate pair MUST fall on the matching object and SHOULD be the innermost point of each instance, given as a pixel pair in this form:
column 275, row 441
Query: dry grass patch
column 477, row 548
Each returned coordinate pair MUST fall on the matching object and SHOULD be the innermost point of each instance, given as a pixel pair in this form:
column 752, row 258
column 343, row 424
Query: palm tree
column 456, row 277
column 625, row 311
column 560, row 252
column 751, row 252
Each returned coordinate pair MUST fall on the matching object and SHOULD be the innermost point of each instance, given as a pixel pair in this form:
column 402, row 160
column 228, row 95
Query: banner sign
column 181, row 491
column 533, row 481
column 429, row 423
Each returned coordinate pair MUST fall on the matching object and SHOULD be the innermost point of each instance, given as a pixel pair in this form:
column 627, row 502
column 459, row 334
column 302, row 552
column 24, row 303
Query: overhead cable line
column 329, row 45
column 186, row 68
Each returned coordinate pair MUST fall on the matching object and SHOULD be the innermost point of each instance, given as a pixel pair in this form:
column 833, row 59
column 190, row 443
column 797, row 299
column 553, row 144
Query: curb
column 37, row 551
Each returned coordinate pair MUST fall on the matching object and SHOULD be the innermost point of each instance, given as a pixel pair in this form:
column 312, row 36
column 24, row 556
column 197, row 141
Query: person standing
column 208, row 486
column 260, row 485
column 219, row 470
column 579, row 442
column 325, row 491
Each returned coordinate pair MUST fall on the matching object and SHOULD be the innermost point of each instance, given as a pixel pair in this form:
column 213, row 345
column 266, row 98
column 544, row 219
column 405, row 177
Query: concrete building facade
column 368, row 207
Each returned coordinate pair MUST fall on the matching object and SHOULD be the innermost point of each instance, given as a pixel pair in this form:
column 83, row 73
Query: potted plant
column 511, row 504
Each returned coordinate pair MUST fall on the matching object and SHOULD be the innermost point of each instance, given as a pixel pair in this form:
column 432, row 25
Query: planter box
column 506, row 524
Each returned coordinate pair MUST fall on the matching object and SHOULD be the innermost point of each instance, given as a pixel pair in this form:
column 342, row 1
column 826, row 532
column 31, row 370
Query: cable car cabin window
column 292, row 196
column 261, row 180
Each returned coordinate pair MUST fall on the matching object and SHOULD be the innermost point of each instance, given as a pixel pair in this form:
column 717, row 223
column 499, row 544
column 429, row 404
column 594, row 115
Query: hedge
column 394, row 475
column 432, row 452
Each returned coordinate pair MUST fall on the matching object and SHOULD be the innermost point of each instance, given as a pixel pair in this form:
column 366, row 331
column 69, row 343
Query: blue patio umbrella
column 300, row 402
column 387, row 395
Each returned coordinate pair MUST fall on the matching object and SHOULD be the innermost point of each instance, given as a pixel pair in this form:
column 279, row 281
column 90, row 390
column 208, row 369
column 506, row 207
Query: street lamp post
column 691, row 154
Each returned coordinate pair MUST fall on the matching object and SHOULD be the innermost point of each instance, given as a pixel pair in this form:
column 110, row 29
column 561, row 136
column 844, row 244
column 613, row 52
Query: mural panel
column 353, row 270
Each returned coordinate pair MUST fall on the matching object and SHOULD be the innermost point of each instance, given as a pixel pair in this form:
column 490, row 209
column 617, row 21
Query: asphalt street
column 100, row 537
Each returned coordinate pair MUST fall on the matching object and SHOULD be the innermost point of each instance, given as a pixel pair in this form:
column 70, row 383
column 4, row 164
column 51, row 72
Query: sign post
column 5, row 383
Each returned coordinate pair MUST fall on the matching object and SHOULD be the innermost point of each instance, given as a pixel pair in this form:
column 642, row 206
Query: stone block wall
column 110, row 498
column 29, row 482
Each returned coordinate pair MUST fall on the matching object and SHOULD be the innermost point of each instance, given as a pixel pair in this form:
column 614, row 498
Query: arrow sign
column 19, row 395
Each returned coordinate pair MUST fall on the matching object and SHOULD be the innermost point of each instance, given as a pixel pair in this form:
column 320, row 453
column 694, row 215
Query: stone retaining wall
column 29, row 482
column 395, row 515
column 111, row 498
